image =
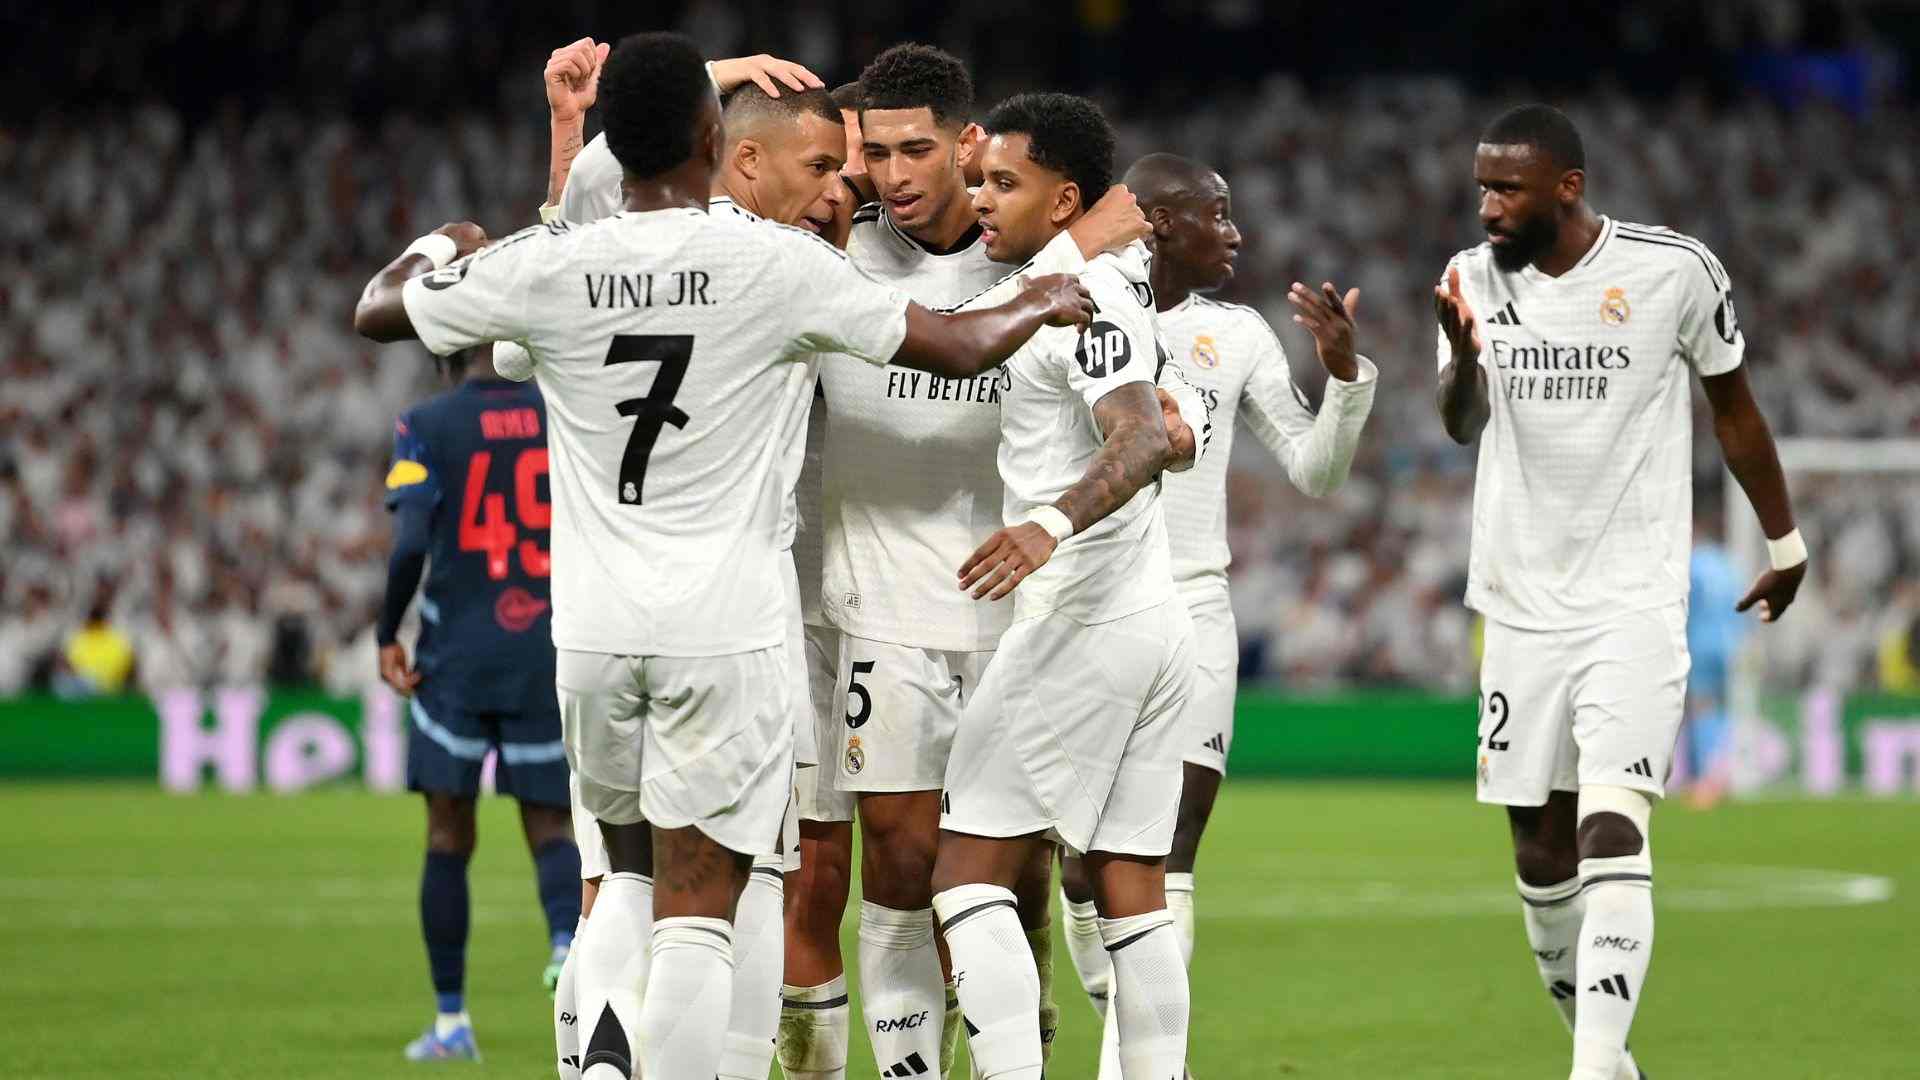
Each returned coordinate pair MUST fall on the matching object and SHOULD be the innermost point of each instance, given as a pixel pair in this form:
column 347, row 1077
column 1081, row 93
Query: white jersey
column 910, row 484
column 1048, row 437
column 593, row 184
column 1583, row 501
column 672, row 349
column 1231, row 355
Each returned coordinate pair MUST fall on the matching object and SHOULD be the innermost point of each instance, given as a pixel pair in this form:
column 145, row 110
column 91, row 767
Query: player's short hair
column 919, row 77
column 748, row 104
column 651, row 89
column 1065, row 133
column 1161, row 178
column 847, row 96
column 1542, row 127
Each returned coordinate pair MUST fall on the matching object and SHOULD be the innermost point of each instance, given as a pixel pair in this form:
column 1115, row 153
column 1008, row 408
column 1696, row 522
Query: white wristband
column 1787, row 552
column 435, row 246
column 1051, row 519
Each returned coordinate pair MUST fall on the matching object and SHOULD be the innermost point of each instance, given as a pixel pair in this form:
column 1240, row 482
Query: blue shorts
column 450, row 739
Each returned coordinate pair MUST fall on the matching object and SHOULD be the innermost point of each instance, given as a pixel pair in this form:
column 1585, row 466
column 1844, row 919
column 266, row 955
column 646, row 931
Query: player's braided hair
column 1542, row 127
column 651, row 89
column 919, row 77
column 1065, row 133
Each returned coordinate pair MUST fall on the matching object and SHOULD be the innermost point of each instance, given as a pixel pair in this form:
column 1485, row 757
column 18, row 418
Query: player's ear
column 1573, row 186
column 966, row 146
column 1066, row 203
column 746, row 158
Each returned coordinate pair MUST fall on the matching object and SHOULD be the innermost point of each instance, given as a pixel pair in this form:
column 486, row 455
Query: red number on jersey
column 528, row 468
column 483, row 518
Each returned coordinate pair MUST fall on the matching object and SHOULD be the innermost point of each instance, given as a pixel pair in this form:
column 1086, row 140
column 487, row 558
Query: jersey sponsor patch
column 517, row 610
column 1724, row 321
column 405, row 474
column 1103, row 350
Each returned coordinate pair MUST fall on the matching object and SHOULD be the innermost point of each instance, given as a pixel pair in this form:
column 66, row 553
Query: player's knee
column 1613, row 822
column 1539, row 862
column 898, row 873
column 1073, row 880
column 450, row 825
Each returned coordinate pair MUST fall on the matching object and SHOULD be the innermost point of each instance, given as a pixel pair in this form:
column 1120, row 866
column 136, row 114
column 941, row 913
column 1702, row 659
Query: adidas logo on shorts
column 1643, row 767
column 1217, row 744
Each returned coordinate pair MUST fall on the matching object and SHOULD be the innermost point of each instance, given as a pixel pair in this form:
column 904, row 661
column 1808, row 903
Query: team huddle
column 884, row 450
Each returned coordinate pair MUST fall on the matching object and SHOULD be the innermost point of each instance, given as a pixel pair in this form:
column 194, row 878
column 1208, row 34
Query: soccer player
column 909, row 647
column 1230, row 353
column 468, row 508
column 781, row 162
column 1564, row 346
column 673, row 348
column 1072, row 734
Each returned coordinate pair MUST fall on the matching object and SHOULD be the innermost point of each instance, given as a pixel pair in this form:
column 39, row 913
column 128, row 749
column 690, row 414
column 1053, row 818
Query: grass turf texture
column 1346, row 930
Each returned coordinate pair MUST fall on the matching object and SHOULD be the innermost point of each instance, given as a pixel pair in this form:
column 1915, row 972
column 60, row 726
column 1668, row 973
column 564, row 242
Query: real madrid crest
column 1614, row 309
column 1205, row 353
column 856, row 757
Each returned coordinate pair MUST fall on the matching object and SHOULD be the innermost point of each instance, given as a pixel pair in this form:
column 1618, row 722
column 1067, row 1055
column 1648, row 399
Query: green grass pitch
column 1346, row 931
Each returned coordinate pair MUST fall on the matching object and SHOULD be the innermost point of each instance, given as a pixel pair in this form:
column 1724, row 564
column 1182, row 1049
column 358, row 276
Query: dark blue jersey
column 474, row 460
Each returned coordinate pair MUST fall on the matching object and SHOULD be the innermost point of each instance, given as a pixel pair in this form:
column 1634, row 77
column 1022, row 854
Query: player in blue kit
column 468, row 491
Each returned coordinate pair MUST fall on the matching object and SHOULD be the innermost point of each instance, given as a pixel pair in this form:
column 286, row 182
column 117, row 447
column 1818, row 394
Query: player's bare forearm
column 1747, row 443
column 1136, row 450
column 381, row 314
column 568, row 137
column 964, row 344
column 1462, row 400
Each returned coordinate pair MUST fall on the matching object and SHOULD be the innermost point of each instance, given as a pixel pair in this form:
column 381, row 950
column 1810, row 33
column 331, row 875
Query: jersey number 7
column 656, row 410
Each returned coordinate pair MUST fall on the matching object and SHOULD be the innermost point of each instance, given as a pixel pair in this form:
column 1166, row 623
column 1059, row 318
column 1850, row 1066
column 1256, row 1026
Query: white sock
column 445, row 1024
column 609, row 968
column 1553, row 914
column 566, row 1019
column 813, row 1031
column 1615, row 948
column 683, row 1022
column 1150, row 998
column 1089, row 955
column 902, row 994
column 999, row 988
column 759, row 950
column 1180, row 906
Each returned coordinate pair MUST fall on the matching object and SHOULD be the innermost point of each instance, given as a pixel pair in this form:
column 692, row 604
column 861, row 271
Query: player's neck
column 689, row 185
column 944, row 232
column 1577, row 237
column 1170, row 290
column 731, row 185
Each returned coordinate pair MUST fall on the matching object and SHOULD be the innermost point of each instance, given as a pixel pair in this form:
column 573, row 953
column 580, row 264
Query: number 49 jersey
column 475, row 459
column 675, row 353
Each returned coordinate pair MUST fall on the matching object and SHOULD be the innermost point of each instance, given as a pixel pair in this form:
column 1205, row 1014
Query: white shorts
column 1208, row 717
column 703, row 741
column 819, row 800
column 806, row 746
column 1599, row 705
column 586, row 836
column 901, row 707
column 1075, row 732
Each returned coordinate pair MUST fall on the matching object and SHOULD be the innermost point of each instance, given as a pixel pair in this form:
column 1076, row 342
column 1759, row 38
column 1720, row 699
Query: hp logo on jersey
column 1103, row 350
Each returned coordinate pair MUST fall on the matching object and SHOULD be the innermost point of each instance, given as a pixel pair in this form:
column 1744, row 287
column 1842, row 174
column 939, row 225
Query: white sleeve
column 1118, row 348
column 593, row 184
column 1060, row 256
column 1710, row 335
column 1193, row 406
column 834, row 307
column 1316, row 450
column 482, row 297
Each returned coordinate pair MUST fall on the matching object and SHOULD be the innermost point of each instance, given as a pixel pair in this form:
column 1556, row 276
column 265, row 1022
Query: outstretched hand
column 1772, row 591
column 1329, row 318
column 769, row 73
column 1456, row 318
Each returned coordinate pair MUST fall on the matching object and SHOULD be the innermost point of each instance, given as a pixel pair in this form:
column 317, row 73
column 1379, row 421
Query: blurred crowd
column 192, row 439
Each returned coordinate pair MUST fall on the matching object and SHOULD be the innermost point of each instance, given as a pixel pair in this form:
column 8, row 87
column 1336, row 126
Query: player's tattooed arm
column 572, row 79
column 967, row 343
column 1135, row 451
column 1462, row 398
column 1747, row 443
column 381, row 313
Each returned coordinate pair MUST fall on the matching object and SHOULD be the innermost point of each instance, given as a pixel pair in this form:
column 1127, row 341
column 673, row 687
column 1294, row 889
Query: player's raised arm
column 1316, row 448
column 572, row 79
column 381, row 313
column 966, row 343
column 1462, row 397
column 1135, row 451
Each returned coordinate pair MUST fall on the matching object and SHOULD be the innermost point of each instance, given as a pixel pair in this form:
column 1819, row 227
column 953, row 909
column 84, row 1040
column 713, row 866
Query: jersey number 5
column 656, row 410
